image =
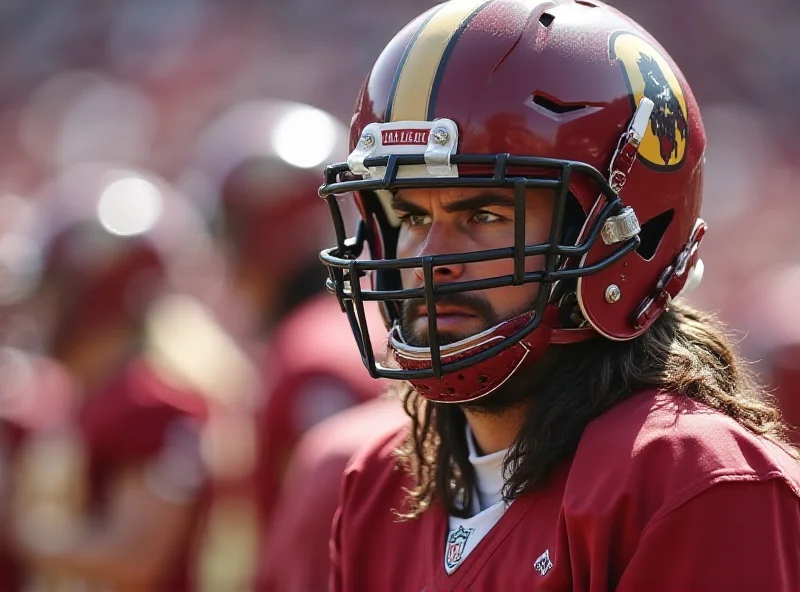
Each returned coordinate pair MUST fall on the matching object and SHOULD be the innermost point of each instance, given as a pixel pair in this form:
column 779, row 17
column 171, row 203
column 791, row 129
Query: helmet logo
column 648, row 74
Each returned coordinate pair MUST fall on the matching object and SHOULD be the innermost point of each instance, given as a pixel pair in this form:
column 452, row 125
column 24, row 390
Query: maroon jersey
column 312, row 370
column 138, row 420
column 662, row 494
column 296, row 556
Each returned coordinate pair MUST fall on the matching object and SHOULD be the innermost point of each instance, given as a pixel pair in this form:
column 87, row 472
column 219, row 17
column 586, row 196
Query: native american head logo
column 649, row 74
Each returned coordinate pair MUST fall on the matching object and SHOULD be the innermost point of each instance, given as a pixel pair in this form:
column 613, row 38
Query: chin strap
column 483, row 378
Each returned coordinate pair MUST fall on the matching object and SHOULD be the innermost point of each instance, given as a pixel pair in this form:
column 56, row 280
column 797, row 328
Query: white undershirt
column 488, row 474
column 487, row 508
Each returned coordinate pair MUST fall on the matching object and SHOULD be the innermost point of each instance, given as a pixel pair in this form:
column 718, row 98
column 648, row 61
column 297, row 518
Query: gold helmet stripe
column 410, row 98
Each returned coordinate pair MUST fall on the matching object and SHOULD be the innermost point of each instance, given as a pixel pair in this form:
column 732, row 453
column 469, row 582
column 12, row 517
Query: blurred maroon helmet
column 114, row 238
column 265, row 161
column 262, row 162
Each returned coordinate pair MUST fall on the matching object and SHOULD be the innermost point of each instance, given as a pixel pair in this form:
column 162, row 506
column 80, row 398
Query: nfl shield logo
column 543, row 563
column 456, row 543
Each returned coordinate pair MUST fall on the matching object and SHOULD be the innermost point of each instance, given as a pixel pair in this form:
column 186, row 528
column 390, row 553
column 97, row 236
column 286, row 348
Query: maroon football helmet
column 262, row 161
column 569, row 95
column 115, row 238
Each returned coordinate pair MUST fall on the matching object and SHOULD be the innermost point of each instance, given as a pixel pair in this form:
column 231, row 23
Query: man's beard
column 517, row 390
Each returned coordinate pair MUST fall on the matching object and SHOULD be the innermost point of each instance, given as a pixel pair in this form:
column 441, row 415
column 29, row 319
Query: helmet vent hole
column 554, row 105
column 546, row 19
column 586, row 3
column 653, row 232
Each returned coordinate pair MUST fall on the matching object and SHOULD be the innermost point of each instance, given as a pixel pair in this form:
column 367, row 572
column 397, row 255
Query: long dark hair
column 684, row 352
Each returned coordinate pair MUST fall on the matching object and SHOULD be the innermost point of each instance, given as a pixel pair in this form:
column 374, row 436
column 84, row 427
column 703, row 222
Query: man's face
column 439, row 221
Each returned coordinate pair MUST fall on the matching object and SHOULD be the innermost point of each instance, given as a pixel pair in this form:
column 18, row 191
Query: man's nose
column 441, row 239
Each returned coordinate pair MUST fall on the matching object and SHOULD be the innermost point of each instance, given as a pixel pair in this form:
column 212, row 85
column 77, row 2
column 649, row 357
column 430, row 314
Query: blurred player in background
column 256, row 171
column 262, row 163
column 35, row 391
column 296, row 557
column 111, row 492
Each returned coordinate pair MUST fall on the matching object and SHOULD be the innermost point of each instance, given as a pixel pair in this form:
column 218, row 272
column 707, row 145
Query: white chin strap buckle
column 628, row 146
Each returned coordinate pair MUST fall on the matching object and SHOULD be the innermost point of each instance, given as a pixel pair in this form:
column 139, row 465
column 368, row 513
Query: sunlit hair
column 685, row 352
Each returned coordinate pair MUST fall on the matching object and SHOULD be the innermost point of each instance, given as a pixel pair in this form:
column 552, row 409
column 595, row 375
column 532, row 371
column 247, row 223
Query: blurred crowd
column 166, row 340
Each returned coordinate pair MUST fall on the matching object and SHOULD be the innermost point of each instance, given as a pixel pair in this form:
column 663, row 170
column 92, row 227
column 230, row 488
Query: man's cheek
column 407, row 278
column 534, row 263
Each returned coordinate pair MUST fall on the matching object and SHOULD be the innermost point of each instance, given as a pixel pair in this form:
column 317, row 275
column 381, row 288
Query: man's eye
column 415, row 219
column 484, row 217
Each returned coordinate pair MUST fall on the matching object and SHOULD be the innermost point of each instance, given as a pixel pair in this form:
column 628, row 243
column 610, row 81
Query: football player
column 296, row 556
column 35, row 390
column 263, row 161
column 529, row 177
column 110, row 491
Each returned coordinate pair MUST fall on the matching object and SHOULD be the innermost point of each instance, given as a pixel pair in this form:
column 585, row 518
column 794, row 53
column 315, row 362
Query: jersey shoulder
column 662, row 449
column 136, row 396
column 312, row 367
column 347, row 432
column 380, row 456
column 318, row 334
column 375, row 477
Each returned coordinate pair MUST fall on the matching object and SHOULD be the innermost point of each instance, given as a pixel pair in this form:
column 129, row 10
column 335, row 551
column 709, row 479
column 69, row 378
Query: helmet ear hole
column 546, row 19
column 652, row 232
